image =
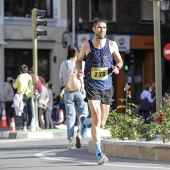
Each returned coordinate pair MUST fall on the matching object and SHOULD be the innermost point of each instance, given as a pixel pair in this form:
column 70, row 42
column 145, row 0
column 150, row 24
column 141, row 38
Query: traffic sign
column 166, row 51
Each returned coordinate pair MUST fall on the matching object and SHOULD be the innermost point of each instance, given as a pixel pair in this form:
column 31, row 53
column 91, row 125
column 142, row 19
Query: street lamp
column 165, row 8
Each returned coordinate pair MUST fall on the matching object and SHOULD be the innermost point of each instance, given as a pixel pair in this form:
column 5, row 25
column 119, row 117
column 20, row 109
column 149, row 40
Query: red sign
column 166, row 51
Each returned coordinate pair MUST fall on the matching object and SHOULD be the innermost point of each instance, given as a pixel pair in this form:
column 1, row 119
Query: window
column 15, row 57
column 105, row 9
column 147, row 11
column 22, row 8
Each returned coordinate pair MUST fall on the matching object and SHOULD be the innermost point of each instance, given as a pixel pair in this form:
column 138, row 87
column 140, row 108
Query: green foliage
column 129, row 125
column 123, row 126
column 164, row 122
column 149, row 131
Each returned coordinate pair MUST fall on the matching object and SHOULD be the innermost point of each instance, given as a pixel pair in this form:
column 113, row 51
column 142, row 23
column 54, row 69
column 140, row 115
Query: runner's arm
column 115, row 52
column 80, row 57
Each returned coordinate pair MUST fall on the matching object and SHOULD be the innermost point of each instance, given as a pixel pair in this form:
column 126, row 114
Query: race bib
column 99, row 73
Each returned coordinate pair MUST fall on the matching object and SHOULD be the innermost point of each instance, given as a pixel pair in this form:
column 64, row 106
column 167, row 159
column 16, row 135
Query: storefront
column 138, row 55
column 140, row 63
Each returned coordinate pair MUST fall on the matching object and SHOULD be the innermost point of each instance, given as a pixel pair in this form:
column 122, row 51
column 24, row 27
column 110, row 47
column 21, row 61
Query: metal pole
column 73, row 21
column 35, row 68
column 157, row 46
column 35, row 63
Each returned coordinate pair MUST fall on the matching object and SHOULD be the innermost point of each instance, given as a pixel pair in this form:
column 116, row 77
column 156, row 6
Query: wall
column 127, row 18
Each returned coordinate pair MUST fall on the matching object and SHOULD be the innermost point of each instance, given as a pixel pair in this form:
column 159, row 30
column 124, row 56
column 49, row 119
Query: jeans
column 74, row 103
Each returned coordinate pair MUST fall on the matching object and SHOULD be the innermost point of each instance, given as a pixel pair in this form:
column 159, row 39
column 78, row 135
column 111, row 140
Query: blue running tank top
column 98, row 70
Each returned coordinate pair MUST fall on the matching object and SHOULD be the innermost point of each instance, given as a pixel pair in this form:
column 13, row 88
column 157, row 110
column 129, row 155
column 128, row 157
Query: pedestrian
column 48, row 111
column 153, row 95
column 8, row 95
column 146, row 101
column 74, row 101
column 60, row 106
column 24, row 87
column 99, row 54
column 37, row 85
column 55, row 109
column 37, row 88
column 42, row 104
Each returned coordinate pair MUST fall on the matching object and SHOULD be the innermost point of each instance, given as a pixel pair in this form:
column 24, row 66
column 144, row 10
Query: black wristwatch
column 118, row 67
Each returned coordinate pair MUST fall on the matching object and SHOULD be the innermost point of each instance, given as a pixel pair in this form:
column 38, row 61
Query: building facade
column 16, row 45
column 130, row 24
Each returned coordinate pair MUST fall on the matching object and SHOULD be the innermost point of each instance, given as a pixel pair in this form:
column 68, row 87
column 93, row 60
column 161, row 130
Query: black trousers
column 27, row 112
column 146, row 116
column 48, row 119
column 10, row 112
column 41, row 111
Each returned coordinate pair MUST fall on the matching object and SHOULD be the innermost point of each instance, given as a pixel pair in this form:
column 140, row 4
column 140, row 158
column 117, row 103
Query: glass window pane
column 17, row 8
column 23, row 8
column 102, row 9
column 46, row 5
column 29, row 5
column 147, row 10
column 7, row 11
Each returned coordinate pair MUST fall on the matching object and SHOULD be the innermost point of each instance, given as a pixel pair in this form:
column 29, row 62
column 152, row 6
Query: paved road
column 27, row 154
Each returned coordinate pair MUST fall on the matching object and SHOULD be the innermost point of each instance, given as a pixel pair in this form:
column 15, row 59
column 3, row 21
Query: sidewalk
column 59, row 132
column 37, row 134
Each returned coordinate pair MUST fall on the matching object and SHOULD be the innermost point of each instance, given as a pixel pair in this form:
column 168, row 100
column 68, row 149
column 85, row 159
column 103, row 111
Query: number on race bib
column 99, row 73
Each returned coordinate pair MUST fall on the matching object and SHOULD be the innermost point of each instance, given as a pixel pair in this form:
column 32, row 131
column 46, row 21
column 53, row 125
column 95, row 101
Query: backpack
column 72, row 83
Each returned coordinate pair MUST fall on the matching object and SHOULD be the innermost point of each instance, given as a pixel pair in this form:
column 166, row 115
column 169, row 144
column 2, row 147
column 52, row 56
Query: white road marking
column 63, row 159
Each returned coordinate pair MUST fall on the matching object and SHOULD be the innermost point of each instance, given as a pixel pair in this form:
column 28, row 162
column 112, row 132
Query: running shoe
column 101, row 159
column 83, row 128
column 24, row 129
column 78, row 143
column 71, row 145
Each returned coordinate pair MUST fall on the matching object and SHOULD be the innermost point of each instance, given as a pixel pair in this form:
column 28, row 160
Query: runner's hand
column 79, row 74
column 115, row 69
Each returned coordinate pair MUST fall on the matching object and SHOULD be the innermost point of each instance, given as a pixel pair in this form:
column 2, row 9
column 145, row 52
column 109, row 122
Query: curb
column 34, row 134
column 133, row 150
column 45, row 134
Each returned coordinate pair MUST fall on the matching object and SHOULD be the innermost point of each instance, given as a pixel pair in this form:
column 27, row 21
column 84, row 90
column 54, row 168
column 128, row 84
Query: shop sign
column 123, row 42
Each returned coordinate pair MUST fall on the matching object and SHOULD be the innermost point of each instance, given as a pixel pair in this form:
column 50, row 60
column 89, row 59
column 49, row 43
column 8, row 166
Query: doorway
column 133, row 69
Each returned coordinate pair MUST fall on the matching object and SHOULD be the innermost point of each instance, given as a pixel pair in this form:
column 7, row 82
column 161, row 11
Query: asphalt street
column 49, row 154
